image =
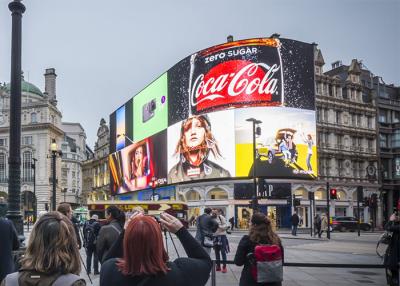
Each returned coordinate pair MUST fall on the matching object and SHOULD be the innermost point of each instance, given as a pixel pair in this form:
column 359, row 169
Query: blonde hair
column 52, row 246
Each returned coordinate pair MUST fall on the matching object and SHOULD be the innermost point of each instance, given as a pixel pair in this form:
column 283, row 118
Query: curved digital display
column 193, row 122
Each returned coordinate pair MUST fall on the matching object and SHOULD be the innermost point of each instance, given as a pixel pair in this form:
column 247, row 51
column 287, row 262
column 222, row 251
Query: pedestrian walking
column 295, row 223
column 232, row 222
column 206, row 227
column 324, row 225
column 260, row 233
column 145, row 260
column 317, row 225
column 110, row 232
column 65, row 209
column 392, row 255
column 91, row 230
column 52, row 255
column 8, row 243
column 221, row 244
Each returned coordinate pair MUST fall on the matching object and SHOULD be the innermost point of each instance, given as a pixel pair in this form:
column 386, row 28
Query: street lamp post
column 54, row 153
column 34, row 189
column 14, row 161
column 254, row 200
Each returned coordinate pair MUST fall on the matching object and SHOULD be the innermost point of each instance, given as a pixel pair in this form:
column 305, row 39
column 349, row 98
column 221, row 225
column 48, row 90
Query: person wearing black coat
column 8, row 243
column 146, row 268
column 392, row 256
column 295, row 223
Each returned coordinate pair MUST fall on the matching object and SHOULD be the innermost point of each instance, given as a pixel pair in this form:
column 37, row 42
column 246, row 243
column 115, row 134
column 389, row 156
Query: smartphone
column 148, row 110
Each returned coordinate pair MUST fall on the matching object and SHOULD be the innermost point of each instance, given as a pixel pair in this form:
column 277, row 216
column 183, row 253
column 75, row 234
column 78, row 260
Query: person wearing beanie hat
column 195, row 144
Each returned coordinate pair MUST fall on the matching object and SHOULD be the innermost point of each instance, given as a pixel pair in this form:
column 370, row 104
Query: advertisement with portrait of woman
column 142, row 162
column 200, row 147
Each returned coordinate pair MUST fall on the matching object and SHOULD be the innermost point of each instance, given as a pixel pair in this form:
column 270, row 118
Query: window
column 338, row 117
column 370, row 142
column 318, row 114
column 27, row 140
column 27, row 174
column 359, row 120
column 353, row 120
column 383, row 140
column 33, row 117
column 3, row 141
column 396, row 117
column 2, row 168
column 396, row 139
column 382, row 116
column 325, row 114
column 330, row 90
column 369, row 122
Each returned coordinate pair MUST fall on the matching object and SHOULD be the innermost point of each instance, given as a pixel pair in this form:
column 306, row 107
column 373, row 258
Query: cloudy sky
column 104, row 52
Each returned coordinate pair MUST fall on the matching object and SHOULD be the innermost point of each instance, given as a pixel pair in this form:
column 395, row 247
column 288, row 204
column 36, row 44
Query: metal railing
column 298, row 264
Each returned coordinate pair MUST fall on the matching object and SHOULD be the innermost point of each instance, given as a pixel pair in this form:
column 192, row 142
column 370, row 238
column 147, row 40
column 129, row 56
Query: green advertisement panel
column 150, row 109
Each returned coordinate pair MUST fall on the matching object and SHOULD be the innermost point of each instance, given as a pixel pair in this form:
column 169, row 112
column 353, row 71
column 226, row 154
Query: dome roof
column 27, row 87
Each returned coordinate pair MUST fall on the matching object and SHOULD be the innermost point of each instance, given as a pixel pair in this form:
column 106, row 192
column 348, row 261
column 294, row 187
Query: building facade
column 41, row 124
column 347, row 143
column 388, row 110
column 96, row 174
column 73, row 149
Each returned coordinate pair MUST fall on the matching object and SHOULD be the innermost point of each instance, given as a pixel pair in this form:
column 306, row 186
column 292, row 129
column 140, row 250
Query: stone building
column 73, row 149
column 388, row 105
column 41, row 124
column 96, row 180
column 346, row 140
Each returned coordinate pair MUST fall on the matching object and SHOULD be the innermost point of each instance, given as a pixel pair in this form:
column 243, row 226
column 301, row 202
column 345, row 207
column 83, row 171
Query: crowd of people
column 130, row 249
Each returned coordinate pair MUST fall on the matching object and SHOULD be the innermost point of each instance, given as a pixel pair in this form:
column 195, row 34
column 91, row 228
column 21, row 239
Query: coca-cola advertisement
column 247, row 73
column 202, row 106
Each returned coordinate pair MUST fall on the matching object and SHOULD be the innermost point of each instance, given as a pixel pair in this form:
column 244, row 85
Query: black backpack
column 90, row 235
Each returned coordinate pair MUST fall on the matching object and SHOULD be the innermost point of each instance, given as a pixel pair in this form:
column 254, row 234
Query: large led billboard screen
column 191, row 123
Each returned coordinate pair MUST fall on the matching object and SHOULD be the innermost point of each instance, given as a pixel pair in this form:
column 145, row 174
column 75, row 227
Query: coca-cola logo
column 235, row 82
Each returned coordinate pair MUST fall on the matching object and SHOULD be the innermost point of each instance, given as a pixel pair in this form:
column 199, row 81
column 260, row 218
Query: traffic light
column 311, row 196
column 296, row 202
column 333, row 194
column 359, row 193
column 366, row 202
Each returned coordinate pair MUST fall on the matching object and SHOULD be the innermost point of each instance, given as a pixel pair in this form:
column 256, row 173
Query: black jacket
column 107, row 236
column 8, row 243
column 295, row 219
column 245, row 247
column 392, row 257
column 117, row 249
column 206, row 225
column 193, row 270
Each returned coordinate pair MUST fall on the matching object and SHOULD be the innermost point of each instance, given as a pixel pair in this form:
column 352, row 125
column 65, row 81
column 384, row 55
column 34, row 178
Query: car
column 271, row 150
column 347, row 223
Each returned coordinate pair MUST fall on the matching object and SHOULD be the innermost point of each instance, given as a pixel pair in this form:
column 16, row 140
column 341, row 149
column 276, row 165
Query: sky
column 105, row 52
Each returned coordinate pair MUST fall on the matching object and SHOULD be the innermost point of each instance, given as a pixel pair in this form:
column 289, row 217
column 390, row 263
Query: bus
column 178, row 209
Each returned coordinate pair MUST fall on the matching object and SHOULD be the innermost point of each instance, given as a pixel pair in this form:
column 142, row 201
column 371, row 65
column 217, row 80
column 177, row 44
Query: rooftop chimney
column 50, row 84
column 229, row 38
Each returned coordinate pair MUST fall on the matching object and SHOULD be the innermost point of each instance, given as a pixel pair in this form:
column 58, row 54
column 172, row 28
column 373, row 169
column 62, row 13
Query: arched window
column 3, row 170
column 341, row 195
column 192, row 195
column 33, row 117
column 217, row 194
column 320, row 194
column 301, row 193
column 27, row 174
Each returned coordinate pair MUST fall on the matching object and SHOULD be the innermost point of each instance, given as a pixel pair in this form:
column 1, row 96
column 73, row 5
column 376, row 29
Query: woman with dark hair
column 260, row 233
column 109, row 233
column 195, row 144
column 145, row 261
column 52, row 256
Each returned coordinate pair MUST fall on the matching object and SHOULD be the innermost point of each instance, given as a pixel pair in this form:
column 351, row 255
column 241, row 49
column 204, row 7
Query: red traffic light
column 333, row 194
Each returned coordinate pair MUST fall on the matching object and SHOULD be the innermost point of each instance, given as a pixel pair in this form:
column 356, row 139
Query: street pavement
column 342, row 248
